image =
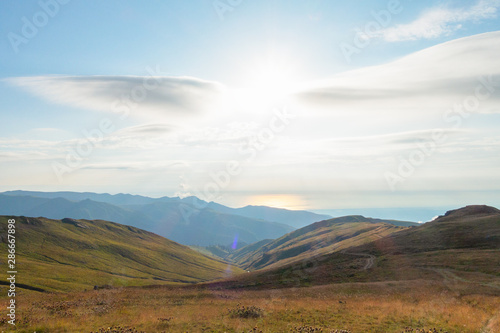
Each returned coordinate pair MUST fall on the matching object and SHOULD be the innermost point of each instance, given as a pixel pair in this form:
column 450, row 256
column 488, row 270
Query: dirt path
column 370, row 259
column 450, row 276
column 490, row 323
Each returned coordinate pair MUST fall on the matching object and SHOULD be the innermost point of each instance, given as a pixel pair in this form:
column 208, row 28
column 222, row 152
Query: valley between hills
column 343, row 274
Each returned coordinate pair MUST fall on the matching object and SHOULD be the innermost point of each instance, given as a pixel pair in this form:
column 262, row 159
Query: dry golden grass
column 354, row 307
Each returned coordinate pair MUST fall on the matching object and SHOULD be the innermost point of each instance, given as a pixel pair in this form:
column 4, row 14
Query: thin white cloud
column 18, row 144
column 367, row 149
column 397, row 138
column 23, row 156
column 134, row 95
column 164, row 135
column 433, row 80
column 135, row 166
column 146, row 130
column 439, row 21
column 231, row 135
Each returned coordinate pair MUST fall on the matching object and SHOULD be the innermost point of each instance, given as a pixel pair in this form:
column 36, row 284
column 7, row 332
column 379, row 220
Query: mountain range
column 189, row 221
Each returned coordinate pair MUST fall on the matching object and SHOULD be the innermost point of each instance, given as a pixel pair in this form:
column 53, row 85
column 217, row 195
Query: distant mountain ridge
column 59, row 208
column 202, row 227
column 115, row 199
column 294, row 218
column 189, row 221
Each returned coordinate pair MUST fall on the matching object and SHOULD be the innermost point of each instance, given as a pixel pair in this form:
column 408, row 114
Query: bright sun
column 266, row 82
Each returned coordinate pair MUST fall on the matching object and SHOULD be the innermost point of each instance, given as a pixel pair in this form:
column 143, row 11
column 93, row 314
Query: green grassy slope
column 218, row 251
column 469, row 227
column 248, row 252
column 64, row 255
column 462, row 246
column 315, row 239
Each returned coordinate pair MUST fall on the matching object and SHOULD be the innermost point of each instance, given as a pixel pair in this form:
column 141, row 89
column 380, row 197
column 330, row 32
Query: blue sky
column 300, row 104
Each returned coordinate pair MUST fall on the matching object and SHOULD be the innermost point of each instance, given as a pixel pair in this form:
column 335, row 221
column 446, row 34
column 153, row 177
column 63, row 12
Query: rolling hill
column 474, row 227
column 318, row 238
column 462, row 246
column 69, row 255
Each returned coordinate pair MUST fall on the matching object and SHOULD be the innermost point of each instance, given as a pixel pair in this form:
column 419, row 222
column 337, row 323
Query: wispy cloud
column 146, row 130
column 439, row 21
column 427, row 82
column 409, row 137
column 137, row 166
column 160, row 95
column 23, row 156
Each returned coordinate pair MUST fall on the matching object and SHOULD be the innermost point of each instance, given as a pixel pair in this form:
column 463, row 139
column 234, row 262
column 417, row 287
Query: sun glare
column 278, row 201
column 266, row 82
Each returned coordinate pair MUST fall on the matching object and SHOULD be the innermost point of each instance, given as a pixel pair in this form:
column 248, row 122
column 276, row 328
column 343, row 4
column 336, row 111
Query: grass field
column 74, row 255
column 403, row 306
column 440, row 277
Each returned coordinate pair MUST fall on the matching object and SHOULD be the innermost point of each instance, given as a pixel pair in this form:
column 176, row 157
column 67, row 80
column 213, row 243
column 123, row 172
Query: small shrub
column 165, row 320
column 118, row 329
column 241, row 311
column 306, row 328
column 423, row 330
column 255, row 330
column 311, row 329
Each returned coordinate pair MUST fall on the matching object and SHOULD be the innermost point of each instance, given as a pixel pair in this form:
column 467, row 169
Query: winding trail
column 489, row 325
column 370, row 259
column 449, row 276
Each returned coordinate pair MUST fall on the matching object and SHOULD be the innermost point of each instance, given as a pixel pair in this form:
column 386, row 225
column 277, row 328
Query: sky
column 295, row 104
